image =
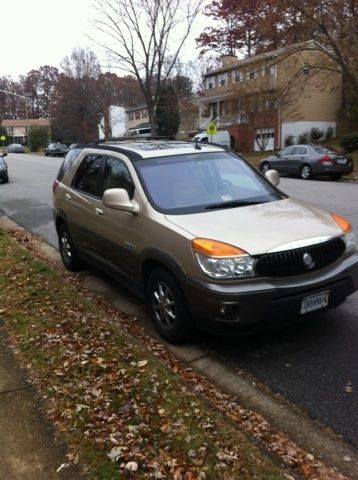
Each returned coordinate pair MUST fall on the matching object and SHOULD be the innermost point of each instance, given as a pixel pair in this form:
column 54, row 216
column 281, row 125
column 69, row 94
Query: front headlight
column 2, row 167
column 350, row 241
column 222, row 261
column 348, row 237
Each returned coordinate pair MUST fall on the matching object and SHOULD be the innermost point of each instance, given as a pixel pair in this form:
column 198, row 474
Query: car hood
column 261, row 228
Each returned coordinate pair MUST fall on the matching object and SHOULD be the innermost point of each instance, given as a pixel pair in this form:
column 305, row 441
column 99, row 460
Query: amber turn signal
column 214, row 248
column 342, row 222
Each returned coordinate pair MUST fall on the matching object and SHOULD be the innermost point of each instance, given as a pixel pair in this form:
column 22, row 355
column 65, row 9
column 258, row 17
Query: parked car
column 56, row 150
column 222, row 137
column 15, row 148
column 200, row 234
column 4, row 175
column 308, row 160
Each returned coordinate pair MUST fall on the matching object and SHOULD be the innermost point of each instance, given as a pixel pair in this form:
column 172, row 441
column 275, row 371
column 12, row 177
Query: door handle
column 99, row 211
column 68, row 196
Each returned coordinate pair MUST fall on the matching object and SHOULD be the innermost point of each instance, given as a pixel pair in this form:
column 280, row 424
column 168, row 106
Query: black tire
column 264, row 167
column 167, row 306
column 6, row 179
column 336, row 176
column 306, row 172
column 67, row 250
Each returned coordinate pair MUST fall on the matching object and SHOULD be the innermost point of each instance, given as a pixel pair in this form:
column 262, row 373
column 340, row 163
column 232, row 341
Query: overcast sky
column 43, row 32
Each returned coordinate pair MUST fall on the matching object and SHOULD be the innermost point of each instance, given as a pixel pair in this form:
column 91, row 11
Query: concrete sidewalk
column 29, row 450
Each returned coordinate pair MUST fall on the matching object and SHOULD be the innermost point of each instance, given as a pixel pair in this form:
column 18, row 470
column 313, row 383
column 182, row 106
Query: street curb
column 311, row 436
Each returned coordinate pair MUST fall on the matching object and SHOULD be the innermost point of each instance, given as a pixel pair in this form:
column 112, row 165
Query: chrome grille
column 297, row 261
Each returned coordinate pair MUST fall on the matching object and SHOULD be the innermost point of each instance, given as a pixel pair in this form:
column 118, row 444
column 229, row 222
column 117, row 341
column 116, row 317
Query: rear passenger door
column 82, row 200
column 299, row 158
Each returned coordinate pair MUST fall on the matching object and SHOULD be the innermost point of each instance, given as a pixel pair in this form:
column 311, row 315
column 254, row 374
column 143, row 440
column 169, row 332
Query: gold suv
column 202, row 236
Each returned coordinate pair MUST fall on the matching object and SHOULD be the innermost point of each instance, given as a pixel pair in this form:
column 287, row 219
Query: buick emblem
column 308, row 261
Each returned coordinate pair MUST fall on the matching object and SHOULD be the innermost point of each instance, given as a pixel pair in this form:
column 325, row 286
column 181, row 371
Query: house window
column 130, row 116
column 306, row 70
column 252, row 74
column 144, row 113
column 271, row 104
column 237, row 76
column 210, row 82
column 269, row 69
column 137, row 115
column 222, row 79
column 9, row 130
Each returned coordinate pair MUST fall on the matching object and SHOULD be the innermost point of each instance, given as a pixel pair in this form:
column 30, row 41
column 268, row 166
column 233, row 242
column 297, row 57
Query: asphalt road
column 313, row 365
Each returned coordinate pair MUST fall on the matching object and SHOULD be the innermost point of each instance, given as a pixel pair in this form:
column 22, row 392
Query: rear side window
column 68, row 161
column 88, row 173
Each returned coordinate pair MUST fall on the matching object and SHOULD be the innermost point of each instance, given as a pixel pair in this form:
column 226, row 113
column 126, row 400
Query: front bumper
column 268, row 303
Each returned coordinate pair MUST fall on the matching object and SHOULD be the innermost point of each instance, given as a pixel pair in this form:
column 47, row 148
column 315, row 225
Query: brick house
column 264, row 99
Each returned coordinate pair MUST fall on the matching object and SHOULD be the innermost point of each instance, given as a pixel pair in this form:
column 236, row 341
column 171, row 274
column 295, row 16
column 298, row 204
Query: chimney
column 228, row 60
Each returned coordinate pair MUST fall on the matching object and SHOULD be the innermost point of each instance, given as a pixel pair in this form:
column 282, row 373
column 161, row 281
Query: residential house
column 17, row 130
column 264, row 99
column 138, row 119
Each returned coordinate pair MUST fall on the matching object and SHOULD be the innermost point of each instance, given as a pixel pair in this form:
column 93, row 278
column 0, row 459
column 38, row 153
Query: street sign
column 211, row 129
column 3, row 138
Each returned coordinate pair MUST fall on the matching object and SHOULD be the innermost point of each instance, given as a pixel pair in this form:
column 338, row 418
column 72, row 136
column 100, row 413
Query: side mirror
column 273, row 177
column 4, row 154
column 118, row 199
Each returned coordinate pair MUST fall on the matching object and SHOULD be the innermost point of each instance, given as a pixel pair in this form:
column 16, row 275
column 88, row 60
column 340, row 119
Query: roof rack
column 134, row 137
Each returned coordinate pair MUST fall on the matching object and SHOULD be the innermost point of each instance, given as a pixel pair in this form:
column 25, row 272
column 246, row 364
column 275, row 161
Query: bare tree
column 144, row 38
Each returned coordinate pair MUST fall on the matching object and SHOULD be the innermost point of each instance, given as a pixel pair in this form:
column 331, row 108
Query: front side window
column 287, row 151
column 194, row 183
column 87, row 175
column 116, row 175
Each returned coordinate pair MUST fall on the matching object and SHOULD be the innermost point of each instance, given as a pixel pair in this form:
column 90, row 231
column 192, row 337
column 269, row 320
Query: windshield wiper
column 231, row 204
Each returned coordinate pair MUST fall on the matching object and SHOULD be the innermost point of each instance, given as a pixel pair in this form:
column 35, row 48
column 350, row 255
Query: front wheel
column 306, row 172
column 67, row 250
column 168, row 306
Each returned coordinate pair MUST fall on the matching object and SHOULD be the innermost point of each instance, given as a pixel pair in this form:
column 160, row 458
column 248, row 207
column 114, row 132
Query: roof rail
column 133, row 137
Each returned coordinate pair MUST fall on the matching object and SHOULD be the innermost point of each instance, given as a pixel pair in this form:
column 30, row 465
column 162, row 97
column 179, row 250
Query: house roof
column 23, row 122
column 308, row 45
column 137, row 107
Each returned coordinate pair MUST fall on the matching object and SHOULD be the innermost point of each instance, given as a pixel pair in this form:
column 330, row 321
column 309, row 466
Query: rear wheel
column 306, row 172
column 168, row 307
column 67, row 250
column 265, row 167
column 6, row 179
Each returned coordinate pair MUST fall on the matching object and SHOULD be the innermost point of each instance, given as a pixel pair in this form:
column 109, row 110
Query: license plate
column 341, row 161
column 314, row 302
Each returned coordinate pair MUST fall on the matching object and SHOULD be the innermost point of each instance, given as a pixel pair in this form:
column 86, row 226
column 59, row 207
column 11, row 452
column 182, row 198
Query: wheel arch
column 152, row 259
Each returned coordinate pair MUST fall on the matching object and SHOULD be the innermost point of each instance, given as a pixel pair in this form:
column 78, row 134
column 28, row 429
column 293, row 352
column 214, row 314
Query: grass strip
column 124, row 413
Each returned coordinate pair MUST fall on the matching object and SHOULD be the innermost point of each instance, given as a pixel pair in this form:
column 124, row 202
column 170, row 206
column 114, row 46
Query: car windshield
column 203, row 182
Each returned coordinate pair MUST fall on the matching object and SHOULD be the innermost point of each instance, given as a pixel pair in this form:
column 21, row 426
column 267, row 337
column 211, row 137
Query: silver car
column 308, row 160
column 200, row 234
column 16, row 148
